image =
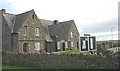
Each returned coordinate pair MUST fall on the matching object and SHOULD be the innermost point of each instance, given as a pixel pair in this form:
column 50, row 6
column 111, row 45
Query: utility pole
column 112, row 35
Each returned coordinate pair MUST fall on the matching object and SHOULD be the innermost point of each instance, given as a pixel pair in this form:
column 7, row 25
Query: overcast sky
column 91, row 16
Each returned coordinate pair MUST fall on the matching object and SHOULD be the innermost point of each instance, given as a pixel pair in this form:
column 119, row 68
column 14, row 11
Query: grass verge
column 14, row 67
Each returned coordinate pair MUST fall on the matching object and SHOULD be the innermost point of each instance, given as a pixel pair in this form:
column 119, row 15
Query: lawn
column 71, row 52
column 76, row 52
column 14, row 67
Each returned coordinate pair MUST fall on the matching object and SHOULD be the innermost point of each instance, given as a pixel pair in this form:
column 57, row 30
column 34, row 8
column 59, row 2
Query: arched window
column 25, row 47
column 25, row 30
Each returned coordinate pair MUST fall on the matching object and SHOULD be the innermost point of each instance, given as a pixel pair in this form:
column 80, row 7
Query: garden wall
column 38, row 61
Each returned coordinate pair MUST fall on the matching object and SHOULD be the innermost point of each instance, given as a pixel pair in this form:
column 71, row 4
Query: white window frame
column 71, row 44
column 66, row 44
column 58, row 45
column 37, row 45
column 37, row 31
column 71, row 34
column 84, row 44
column 91, row 43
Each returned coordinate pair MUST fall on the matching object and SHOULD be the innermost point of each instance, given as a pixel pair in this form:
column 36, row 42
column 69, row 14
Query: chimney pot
column 55, row 21
column 3, row 11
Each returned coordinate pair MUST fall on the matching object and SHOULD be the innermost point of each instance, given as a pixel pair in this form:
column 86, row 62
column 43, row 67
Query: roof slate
column 48, row 38
column 20, row 19
column 45, row 24
column 10, row 18
column 61, row 30
column 67, row 25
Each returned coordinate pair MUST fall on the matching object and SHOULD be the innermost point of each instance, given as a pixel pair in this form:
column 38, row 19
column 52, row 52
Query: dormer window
column 33, row 16
column 37, row 30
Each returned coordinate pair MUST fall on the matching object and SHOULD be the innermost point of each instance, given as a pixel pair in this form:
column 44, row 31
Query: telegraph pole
column 112, row 35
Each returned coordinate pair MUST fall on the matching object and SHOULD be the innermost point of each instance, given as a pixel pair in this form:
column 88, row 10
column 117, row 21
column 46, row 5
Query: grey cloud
column 100, row 27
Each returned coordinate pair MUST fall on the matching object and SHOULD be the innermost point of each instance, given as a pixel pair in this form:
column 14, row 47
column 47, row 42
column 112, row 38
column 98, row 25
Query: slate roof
column 15, row 21
column 45, row 24
column 67, row 25
column 20, row 19
column 48, row 38
column 61, row 30
column 10, row 18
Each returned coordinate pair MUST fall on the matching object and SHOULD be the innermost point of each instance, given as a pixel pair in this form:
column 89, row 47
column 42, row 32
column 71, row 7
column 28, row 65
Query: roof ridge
column 66, row 21
column 25, row 12
column 9, row 13
column 46, row 20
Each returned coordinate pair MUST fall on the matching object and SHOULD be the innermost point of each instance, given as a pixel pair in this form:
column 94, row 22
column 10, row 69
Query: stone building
column 26, row 33
column 65, row 35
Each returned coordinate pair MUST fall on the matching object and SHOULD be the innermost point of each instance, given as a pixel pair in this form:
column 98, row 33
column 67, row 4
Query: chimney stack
column 3, row 11
column 55, row 21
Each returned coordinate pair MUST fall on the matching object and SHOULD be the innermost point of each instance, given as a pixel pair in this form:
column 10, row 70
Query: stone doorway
column 63, row 46
column 25, row 47
column 77, row 45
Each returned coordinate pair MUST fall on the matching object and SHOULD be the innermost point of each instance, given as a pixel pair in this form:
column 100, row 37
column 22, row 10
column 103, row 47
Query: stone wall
column 0, row 33
column 61, row 61
column 0, row 41
column 14, row 41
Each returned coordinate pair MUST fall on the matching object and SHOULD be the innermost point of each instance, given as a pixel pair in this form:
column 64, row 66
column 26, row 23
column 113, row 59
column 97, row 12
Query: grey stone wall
column 51, row 46
column 30, row 37
column 31, row 48
column 75, row 37
column 14, row 42
column 0, row 41
column 0, row 33
column 38, row 61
